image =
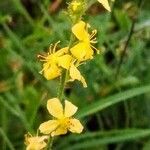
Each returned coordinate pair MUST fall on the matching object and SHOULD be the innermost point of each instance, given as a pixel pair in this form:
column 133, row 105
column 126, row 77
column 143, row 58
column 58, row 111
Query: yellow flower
column 55, row 61
column 105, row 4
column 35, row 142
column 84, row 49
column 63, row 119
column 75, row 5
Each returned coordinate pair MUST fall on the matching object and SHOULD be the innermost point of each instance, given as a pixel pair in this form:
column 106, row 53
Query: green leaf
column 122, row 19
column 9, row 107
column 111, row 100
column 102, row 138
column 4, row 136
column 16, row 111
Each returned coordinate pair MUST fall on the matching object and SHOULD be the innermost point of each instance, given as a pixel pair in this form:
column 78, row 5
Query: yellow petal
column 70, row 109
column 51, row 71
column 79, row 51
column 75, row 126
column 89, row 52
column 42, row 138
column 36, row 146
column 64, row 61
column 59, row 131
column 76, row 75
column 48, row 126
column 105, row 4
column 55, row 108
column 79, row 31
column 62, row 51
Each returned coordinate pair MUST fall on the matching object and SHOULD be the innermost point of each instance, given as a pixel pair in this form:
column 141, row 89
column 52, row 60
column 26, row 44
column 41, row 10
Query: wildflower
column 75, row 5
column 76, row 9
column 63, row 119
column 55, row 61
column 35, row 142
column 105, row 4
column 84, row 49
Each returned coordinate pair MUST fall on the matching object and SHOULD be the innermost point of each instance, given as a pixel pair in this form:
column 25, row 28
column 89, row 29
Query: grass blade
column 111, row 100
column 4, row 136
column 101, row 138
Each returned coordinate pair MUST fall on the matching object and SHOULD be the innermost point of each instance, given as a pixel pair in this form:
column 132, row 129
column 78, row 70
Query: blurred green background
column 28, row 27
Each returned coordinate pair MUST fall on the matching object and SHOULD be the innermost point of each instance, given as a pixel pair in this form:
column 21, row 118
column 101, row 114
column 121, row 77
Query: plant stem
column 51, row 143
column 62, row 84
column 125, row 48
column 63, row 78
column 127, row 42
column 61, row 88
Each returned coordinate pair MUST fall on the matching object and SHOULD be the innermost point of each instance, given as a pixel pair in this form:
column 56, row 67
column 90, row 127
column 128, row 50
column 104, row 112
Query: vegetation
column 114, row 108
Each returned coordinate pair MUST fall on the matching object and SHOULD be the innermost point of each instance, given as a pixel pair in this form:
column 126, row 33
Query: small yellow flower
column 75, row 5
column 55, row 61
column 84, row 49
column 63, row 119
column 35, row 142
column 105, row 4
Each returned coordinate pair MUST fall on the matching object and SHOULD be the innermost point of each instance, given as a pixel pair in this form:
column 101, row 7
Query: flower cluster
column 55, row 63
column 70, row 58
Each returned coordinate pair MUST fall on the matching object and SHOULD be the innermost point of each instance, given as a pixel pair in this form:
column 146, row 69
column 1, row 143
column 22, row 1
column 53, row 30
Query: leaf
column 122, row 19
column 9, row 144
column 8, row 107
column 111, row 100
column 102, row 138
column 15, row 110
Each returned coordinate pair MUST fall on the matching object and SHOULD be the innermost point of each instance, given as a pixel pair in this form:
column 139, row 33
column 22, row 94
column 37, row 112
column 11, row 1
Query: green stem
column 131, row 32
column 63, row 79
column 51, row 143
column 62, row 84
column 64, row 75
column 61, row 88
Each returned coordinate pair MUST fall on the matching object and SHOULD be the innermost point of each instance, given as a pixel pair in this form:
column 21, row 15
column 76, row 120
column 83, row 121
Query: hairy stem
column 62, row 84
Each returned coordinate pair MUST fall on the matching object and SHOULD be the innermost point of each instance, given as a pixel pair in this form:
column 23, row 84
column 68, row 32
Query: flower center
column 64, row 122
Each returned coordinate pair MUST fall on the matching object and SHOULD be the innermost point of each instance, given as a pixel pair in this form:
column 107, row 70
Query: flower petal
column 48, row 126
column 79, row 51
column 105, row 4
column 36, row 146
column 76, row 75
column 79, row 31
column 89, row 52
column 42, row 138
column 55, row 108
column 59, row 131
column 70, row 109
column 62, row 51
column 51, row 71
column 75, row 126
column 64, row 61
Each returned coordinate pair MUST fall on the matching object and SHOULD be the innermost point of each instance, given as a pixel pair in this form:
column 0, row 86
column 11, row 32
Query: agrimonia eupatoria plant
column 64, row 63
